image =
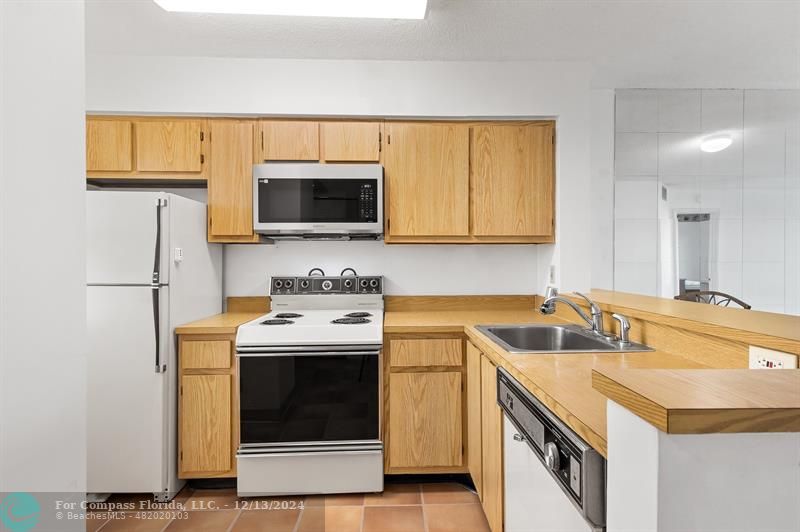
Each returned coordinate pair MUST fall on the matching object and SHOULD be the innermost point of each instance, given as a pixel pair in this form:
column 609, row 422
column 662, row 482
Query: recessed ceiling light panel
column 405, row 9
column 715, row 143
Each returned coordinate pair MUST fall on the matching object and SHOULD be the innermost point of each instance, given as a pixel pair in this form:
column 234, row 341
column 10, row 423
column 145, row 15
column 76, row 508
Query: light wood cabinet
column 425, row 421
column 109, row 145
column 424, row 404
column 491, row 447
column 426, row 169
column 474, row 445
column 230, row 185
column 146, row 148
column 512, row 176
column 169, row 146
column 205, row 423
column 288, row 140
column 350, row 141
column 208, row 409
column 425, row 352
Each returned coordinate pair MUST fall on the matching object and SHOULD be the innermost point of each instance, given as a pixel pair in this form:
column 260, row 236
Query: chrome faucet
column 595, row 321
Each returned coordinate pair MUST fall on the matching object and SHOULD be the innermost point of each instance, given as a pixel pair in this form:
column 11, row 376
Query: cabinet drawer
column 425, row 352
column 206, row 354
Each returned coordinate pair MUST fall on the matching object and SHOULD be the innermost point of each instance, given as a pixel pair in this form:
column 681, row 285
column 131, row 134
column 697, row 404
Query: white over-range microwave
column 318, row 201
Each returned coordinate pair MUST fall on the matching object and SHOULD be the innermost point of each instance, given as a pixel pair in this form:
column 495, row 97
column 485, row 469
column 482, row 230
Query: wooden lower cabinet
column 425, row 425
column 474, row 445
column 424, row 409
column 208, row 412
column 491, row 447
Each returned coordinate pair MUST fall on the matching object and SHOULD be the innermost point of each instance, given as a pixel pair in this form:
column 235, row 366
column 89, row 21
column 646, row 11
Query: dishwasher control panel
column 579, row 469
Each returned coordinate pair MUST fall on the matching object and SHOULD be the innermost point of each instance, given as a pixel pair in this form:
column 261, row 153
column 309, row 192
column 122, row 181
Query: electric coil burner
column 309, row 388
column 350, row 321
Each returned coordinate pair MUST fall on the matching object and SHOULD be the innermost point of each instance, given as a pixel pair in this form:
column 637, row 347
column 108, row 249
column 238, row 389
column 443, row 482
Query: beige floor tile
column 447, row 493
column 394, row 495
column 330, row 519
column 207, row 521
column 94, row 520
column 266, row 520
column 393, row 519
column 455, row 518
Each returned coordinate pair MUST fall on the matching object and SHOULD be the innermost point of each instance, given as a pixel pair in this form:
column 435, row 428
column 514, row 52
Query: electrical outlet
column 761, row 358
column 551, row 278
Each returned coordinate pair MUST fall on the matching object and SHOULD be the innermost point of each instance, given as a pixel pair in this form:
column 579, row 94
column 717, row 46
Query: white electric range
column 309, row 388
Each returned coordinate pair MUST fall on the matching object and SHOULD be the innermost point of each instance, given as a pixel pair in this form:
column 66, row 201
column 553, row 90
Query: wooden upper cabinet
column 230, row 185
column 350, row 141
column 288, row 140
column 169, row 146
column 512, row 179
column 109, row 145
column 427, row 179
column 425, row 420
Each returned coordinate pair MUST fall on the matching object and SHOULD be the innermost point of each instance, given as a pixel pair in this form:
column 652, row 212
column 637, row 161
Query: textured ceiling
column 743, row 43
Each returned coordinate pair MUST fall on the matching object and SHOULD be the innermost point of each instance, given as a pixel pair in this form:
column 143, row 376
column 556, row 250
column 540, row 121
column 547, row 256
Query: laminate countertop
column 225, row 323
column 563, row 382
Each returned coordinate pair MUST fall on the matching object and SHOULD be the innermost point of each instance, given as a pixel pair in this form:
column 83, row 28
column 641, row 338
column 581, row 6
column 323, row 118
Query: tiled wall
column 752, row 190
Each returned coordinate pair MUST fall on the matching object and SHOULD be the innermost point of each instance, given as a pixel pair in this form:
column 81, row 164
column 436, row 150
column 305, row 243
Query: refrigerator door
column 122, row 235
column 127, row 419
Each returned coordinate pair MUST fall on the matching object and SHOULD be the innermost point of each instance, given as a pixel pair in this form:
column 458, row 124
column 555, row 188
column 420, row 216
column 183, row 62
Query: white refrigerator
column 149, row 268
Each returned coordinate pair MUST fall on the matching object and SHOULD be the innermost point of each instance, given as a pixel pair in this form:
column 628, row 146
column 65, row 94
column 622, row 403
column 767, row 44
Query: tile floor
column 433, row 507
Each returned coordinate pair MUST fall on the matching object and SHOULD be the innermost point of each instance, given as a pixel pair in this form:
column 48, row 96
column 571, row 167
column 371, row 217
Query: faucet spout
column 595, row 321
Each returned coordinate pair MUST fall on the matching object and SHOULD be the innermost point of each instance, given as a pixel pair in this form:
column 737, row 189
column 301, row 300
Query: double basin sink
column 547, row 338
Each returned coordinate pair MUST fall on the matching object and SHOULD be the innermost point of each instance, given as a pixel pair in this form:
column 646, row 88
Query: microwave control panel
column 367, row 203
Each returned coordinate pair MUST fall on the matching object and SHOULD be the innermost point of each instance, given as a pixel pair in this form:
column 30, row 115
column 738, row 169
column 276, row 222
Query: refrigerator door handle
column 156, row 290
column 155, row 287
column 160, row 202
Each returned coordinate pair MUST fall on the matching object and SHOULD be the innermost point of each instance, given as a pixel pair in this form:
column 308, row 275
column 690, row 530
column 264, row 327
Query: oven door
column 309, row 400
column 307, row 199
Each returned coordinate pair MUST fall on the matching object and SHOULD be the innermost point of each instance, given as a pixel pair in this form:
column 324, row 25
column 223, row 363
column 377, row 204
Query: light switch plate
column 762, row 358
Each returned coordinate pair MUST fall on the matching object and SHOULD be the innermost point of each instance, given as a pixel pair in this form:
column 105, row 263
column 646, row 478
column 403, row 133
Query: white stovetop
column 314, row 328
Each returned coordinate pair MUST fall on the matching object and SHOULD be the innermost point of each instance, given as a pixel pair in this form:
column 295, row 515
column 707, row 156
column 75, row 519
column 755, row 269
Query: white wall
column 751, row 189
column 42, row 231
column 382, row 88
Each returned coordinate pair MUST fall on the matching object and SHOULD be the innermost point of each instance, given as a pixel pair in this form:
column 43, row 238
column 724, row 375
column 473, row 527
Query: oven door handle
column 270, row 354
column 309, row 350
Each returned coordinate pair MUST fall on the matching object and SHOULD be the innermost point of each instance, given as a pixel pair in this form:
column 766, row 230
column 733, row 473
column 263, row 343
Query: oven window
column 308, row 398
column 317, row 201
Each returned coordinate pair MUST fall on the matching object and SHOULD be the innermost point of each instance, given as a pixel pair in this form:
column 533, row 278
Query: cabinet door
column 425, row 419
column 427, row 179
column 205, row 424
column 492, row 447
column 350, row 141
column 289, row 140
column 512, row 179
column 230, row 185
column 169, row 145
column 474, row 446
column 109, row 145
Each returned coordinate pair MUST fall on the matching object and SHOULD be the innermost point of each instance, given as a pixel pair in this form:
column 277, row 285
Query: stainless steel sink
column 546, row 338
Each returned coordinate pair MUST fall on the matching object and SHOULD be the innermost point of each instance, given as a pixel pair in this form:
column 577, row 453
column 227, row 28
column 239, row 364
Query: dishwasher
column 553, row 480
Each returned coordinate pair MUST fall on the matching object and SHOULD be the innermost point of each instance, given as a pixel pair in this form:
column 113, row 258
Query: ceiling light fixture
column 715, row 143
column 405, row 9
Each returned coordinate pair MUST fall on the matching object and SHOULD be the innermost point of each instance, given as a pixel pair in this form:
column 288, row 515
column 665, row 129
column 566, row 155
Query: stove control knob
column 278, row 284
column 327, row 285
column 551, row 457
column 288, row 283
column 364, row 283
column 348, row 283
column 373, row 283
column 304, row 283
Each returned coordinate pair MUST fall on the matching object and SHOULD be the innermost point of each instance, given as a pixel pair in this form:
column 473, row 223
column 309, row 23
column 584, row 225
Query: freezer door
column 127, row 417
column 122, row 233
